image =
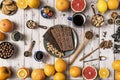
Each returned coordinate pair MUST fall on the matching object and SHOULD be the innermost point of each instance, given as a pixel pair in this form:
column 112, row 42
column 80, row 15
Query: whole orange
column 5, row 73
column 60, row 65
column 75, row 71
column 117, row 75
column 33, row 3
column 59, row 76
column 116, row 65
column 6, row 25
column 2, row 36
column 112, row 6
column 49, row 70
column 62, row 5
column 38, row 74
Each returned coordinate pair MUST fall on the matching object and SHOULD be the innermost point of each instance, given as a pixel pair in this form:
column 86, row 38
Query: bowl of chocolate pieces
column 60, row 41
column 6, row 50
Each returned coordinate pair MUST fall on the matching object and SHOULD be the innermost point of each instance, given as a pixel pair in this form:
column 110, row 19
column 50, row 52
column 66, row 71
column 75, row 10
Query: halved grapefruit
column 89, row 73
column 78, row 5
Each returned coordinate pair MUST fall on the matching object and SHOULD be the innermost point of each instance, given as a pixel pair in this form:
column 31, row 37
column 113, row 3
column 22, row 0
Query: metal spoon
column 103, row 44
column 32, row 25
column 101, row 58
column 29, row 51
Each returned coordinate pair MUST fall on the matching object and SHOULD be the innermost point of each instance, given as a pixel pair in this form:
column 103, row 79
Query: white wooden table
column 22, row 16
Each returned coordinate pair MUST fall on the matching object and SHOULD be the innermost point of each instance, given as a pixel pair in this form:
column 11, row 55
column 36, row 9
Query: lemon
column 49, row 70
column 33, row 3
column 102, row 6
column 75, row 71
column 22, row 4
column 104, row 73
column 60, row 65
column 59, row 76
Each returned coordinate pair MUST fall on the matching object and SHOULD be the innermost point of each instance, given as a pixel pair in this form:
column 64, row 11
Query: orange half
column 104, row 73
column 22, row 73
column 22, row 4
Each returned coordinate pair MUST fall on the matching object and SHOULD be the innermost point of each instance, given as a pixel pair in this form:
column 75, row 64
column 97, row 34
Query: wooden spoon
column 32, row 25
column 29, row 51
column 88, row 35
column 103, row 44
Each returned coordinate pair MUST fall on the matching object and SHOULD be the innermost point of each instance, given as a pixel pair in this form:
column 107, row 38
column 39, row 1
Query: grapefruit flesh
column 89, row 73
column 78, row 5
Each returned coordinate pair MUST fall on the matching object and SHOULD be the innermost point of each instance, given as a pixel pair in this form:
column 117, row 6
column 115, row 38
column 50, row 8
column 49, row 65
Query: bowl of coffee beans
column 6, row 50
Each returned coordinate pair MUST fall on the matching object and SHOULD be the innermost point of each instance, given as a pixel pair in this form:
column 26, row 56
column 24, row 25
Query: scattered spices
column 116, row 51
column 102, row 39
column 116, row 35
column 110, row 21
column 106, row 44
column 97, row 35
column 116, row 48
column 6, row 50
column 89, row 35
column 114, row 15
column 115, row 18
column 104, row 34
column 63, row 14
column 117, row 21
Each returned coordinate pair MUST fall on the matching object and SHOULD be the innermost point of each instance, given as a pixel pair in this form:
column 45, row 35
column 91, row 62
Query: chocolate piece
column 67, row 43
column 49, row 37
column 63, row 36
column 57, row 34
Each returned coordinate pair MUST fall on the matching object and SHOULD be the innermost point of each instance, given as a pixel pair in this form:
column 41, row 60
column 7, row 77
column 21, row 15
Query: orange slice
column 22, row 4
column 23, row 73
column 103, row 73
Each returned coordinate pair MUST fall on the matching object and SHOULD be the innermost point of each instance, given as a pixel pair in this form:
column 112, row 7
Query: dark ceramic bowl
column 47, row 12
column 39, row 56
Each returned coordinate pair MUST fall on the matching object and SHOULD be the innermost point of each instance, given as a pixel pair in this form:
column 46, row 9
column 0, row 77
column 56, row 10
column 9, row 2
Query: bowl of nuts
column 6, row 50
column 98, row 19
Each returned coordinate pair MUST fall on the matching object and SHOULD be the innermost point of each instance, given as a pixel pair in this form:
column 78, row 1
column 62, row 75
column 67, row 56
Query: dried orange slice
column 23, row 73
column 22, row 4
column 103, row 73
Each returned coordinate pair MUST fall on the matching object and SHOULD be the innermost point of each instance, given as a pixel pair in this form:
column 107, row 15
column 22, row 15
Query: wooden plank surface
column 20, row 19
